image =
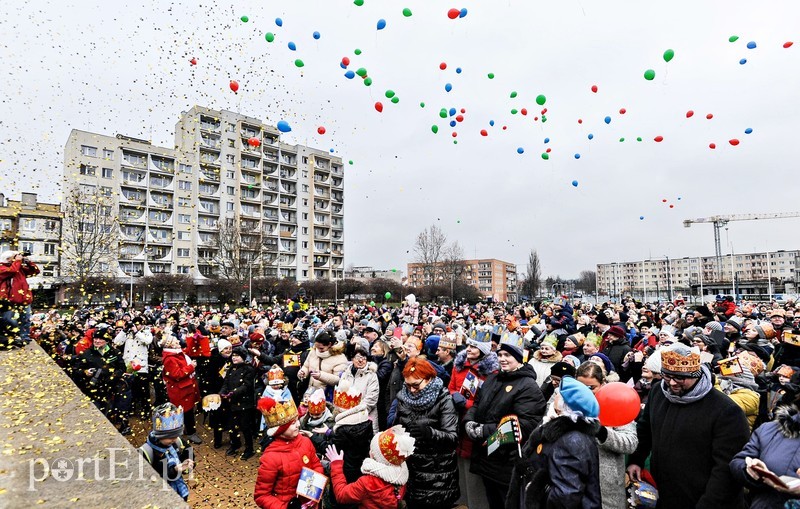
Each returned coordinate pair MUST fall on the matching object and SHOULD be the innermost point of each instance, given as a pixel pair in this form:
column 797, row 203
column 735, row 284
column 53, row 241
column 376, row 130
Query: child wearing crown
column 275, row 389
column 284, row 457
column 352, row 430
column 385, row 472
column 317, row 424
column 165, row 451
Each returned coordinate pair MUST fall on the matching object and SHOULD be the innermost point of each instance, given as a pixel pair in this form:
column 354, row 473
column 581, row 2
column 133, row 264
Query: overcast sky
column 103, row 68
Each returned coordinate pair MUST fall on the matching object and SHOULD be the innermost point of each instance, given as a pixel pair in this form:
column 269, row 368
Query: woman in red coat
column 181, row 382
column 284, row 457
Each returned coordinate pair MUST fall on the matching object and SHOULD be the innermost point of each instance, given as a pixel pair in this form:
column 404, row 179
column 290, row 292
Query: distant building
column 491, row 277
column 372, row 273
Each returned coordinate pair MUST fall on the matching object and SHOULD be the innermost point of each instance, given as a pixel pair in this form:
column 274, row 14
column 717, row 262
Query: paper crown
column 167, row 417
column 316, row 402
column 551, row 340
column 275, row 375
column 752, row 361
column 395, row 445
column 277, row 413
column 577, row 338
column 286, row 327
column 212, row 402
column 372, row 324
column 448, row 341
column 515, row 340
column 345, row 396
column 593, row 339
column 480, row 336
column 766, row 330
column 498, row 330
column 673, row 362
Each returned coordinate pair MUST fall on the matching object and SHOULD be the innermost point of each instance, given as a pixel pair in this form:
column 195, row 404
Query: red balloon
column 712, row 146
column 658, row 139
column 453, row 13
column 505, row 127
column 463, row 110
column 443, row 66
column 622, row 111
column 619, row 404
column 346, row 61
column 484, row 132
column 524, row 111
column 455, row 134
column 787, row 44
column 733, row 142
column 234, row 86
column 664, row 200
column 254, row 142
column 193, row 61
column 672, row 206
column 321, row 130
column 580, row 121
column 689, row 114
column 548, row 150
column 594, row 88
column 459, row 118
column 379, row 106
column 709, row 116
column 544, row 110
column 535, row 119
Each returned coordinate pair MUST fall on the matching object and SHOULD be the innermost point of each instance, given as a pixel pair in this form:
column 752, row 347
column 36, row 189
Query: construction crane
column 721, row 221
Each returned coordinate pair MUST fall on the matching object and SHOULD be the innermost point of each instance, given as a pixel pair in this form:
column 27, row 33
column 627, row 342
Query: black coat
column 433, row 468
column 108, row 370
column 692, row 445
column 560, row 468
column 353, row 440
column 505, row 393
column 616, row 353
column 239, row 380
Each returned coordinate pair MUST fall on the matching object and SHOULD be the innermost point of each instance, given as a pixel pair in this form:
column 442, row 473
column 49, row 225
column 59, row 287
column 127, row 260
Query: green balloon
column 299, row 63
column 733, row 38
column 514, row 111
column 545, row 156
column 244, row 19
column 649, row 75
column 638, row 138
column 350, row 162
column 544, row 119
column 389, row 94
column 540, row 100
column 455, row 142
column 358, row 2
column 621, row 140
column 435, row 128
column 491, row 75
column 357, row 51
column 269, row 36
column 513, row 95
column 388, row 295
column 367, row 82
column 443, row 113
column 361, row 72
column 421, row 105
column 669, row 55
column 407, row 12
column 372, row 303
column 395, row 100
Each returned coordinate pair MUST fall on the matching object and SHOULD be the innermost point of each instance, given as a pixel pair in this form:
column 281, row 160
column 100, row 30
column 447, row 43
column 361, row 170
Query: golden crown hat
column 515, row 340
column 316, row 403
column 275, row 375
column 673, row 362
column 277, row 413
column 211, row 402
column 166, row 418
column 479, row 336
column 345, row 396
column 448, row 341
column 395, row 445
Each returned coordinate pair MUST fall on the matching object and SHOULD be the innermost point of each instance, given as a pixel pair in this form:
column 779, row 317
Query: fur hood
column 486, row 366
column 788, row 419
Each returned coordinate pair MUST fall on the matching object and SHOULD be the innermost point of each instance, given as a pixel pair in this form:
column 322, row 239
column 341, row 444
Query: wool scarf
column 171, row 455
column 423, row 399
column 698, row 392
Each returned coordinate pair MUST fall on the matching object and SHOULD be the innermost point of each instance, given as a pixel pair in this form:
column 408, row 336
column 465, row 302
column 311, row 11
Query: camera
column 25, row 254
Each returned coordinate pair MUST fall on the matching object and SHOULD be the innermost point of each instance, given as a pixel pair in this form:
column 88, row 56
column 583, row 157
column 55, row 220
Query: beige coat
column 330, row 366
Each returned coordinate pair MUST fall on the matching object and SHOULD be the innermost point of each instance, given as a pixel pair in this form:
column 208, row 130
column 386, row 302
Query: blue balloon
column 292, row 46
column 577, row 156
column 458, row 70
column 491, row 123
column 349, row 75
column 283, row 126
column 315, row 35
column 751, row 45
column 520, row 150
column 748, row 130
column 448, row 87
column 381, row 24
column 341, row 64
column 462, row 13
column 591, row 136
column 742, row 61
column 574, row 183
column 452, row 111
column 331, row 151
column 547, row 140
column 452, row 123
column 641, row 218
column 279, row 22
column 607, row 120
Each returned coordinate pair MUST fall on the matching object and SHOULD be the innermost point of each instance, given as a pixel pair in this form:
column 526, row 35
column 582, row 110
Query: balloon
column 548, row 150
column 299, row 63
column 345, row 61
column 733, row 38
column 462, row 12
column 388, row 295
column 591, row 136
column 748, row 130
column 672, row 206
column 283, row 126
column 664, row 200
column 407, row 12
column 350, row 162
column 292, row 46
column 453, row 13
column 712, row 146
column 315, row 35
column 490, row 75
column 733, row 142
column 658, row 139
column 788, row 44
column 395, row 100
column 372, row 303
column 577, row 156
column 389, row 94
column 193, row 61
column 448, row 87
column 349, row 75
column 435, row 129
column 331, row 151
column 622, row 111
column 540, row 99
column 545, row 156
column 452, row 112
column 361, row 72
column 443, row 66
column 443, row 113
column 594, row 88
column 358, row 2
column 455, row 134
column 709, row 116
column 649, row 75
column 367, row 82
column 452, row 123
column 513, row 95
column 574, row 183
column 484, row 132
column 244, row 19
column 619, row 404
column 234, row 86
column 621, row 140
column 253, row 141
column 279, row 22
column 513, row 111
column 458, row 70
column 641, row 218
column 357, row 51
column 751, row 45
column 459, row 118
column 491, row 123
column 742, row 61
column 422, row 105
column 544, row 119
column 580, row 120
column 689, row 114
column 269, row 36
column 321, row 130
column 547, row 140
column 668, row 55
column 607, row 120
column 381, row 24
column 520, row 150
column 638, row 138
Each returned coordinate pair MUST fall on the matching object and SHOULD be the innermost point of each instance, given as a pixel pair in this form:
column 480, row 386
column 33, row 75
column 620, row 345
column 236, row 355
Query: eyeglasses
column 673, row 378
column 415, row 385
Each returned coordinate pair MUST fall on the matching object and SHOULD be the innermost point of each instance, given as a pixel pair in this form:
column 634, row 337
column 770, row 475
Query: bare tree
column 429, row 251
column 587, row 281
column 532, row 284
column 163, row 286
column 453, row 266
column 234, row 251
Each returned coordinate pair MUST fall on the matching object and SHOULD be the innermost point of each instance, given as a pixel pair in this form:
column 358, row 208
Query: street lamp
column 669, row 279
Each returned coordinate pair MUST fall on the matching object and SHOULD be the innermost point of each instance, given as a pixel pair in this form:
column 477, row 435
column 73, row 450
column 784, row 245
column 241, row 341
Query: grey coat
column 621, row 440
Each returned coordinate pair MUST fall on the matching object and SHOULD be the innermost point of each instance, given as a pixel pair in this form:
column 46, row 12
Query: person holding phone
column 16, row 298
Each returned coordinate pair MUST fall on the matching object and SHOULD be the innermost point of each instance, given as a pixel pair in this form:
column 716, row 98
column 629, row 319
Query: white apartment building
column 367, row 272
column 754, row 275
column 227, row 173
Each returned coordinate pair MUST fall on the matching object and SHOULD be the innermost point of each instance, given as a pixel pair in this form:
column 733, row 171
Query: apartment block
column 229, row 192
column 492, row 278
column 366, row 272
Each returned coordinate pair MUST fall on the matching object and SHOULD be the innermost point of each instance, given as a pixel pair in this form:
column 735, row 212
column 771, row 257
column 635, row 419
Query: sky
column 113, row 67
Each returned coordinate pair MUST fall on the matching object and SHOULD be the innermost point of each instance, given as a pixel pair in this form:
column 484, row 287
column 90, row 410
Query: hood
column 486, row 365
column 788, row 419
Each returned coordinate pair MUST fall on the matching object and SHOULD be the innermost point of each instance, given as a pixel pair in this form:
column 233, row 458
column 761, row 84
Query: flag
column 507, row 432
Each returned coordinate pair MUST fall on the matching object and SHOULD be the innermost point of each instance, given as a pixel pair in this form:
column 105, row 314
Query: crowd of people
column 411, row 406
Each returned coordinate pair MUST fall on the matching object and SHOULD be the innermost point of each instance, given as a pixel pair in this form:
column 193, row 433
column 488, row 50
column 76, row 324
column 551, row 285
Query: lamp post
column 669, row 280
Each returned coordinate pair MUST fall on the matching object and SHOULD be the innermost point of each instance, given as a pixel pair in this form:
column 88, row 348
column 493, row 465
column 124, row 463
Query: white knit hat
column 6, row 256
column 653, row 363
column 222, row 344
column 389, row 451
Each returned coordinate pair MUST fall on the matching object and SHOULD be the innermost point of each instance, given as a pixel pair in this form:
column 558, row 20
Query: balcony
column 288, row 217
column 336, row 263
column 210, row 143
column 159, row 268
column 159, row 254
column 287, row 202
column 270, row 215
column 134, row 178
column 209, row 173
column 162, row 165
column 270, row 156
column 251, row 165
column 132, row 234
column 321, row 261
column 321, row 193
column 320, row 178
column 210, row 158
column 131, row 215
column 132, row 198
column 250, row 196
column 321, row 233
column 336, row 169
column 337, row 182
column 288, row 188
column 209, row 124
column 248, row 132
column 134, row 160
column 337, row 235
column 203, row 224
column 250, row 180
column 320, row 164
column 337, row 197
column 270, row 198
column 288, row 234
column 289, row 161
column 288, row 174
column 249, row 211
column 321, row 205
column 270, row 245
column 270, row 169
column 210, row 190
column 208, row 209
column 337, row 209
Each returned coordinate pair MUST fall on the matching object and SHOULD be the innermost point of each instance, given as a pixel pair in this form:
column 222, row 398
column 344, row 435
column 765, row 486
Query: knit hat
column 680, row 360
column 578, row 397
column 275, row 376
column 765, row 330
column 577, row 339
column 481, row 340
column 7, row 256
column 316, row 403
column 440, row 325
column 616, row 331
column 714, row 326
column 735, row 322
column 603, row 319
column 562, row 369
column 607, row 364
column 572, row 360
column 240, row 351
column 222, row 344
column 390, row 449
column 167, row 421
column 514, row 344
column 324, row 338
column 653, row 363
column 278, row 415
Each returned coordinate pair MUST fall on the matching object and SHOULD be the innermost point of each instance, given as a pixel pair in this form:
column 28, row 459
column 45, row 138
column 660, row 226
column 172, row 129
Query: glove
column 459, row 401
column 420, row 431
column 474, row 430
column 602, row 434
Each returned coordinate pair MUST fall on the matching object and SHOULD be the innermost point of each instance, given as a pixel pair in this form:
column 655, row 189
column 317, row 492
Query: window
column 230, row 128
column 88, row 189
column 185, row 168
column 305, row 273
column 29, row 225
column 230, row 190
column 108, row 154
column 107, row 173
column 87, row 170
column 183, row 269
column 184, row 218
column 27, row 246
column 134, row 159
column 230, row 158
column 185, row 185
column 85, row 227
column 184, row 236
column 229, row 206
column 49, row 249
column 305, row 173
column 231, row 143
column 105, row 191
column 183, row 252
column 304, row 230
column 305, row 202
column 89, row 151
column 305, row 160
column 305, row 216
column 304, row 244
column 305, row 259
column 184, row 202
column 304, row 188
column 230, row 174
column 158, row 216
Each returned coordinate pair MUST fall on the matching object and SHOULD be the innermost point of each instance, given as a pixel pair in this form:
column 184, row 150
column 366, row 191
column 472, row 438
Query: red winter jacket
column 280, row 468
column 14, row 283
column 182, row 388
column 197, row 345
column 485, row 366
column 369, row 492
